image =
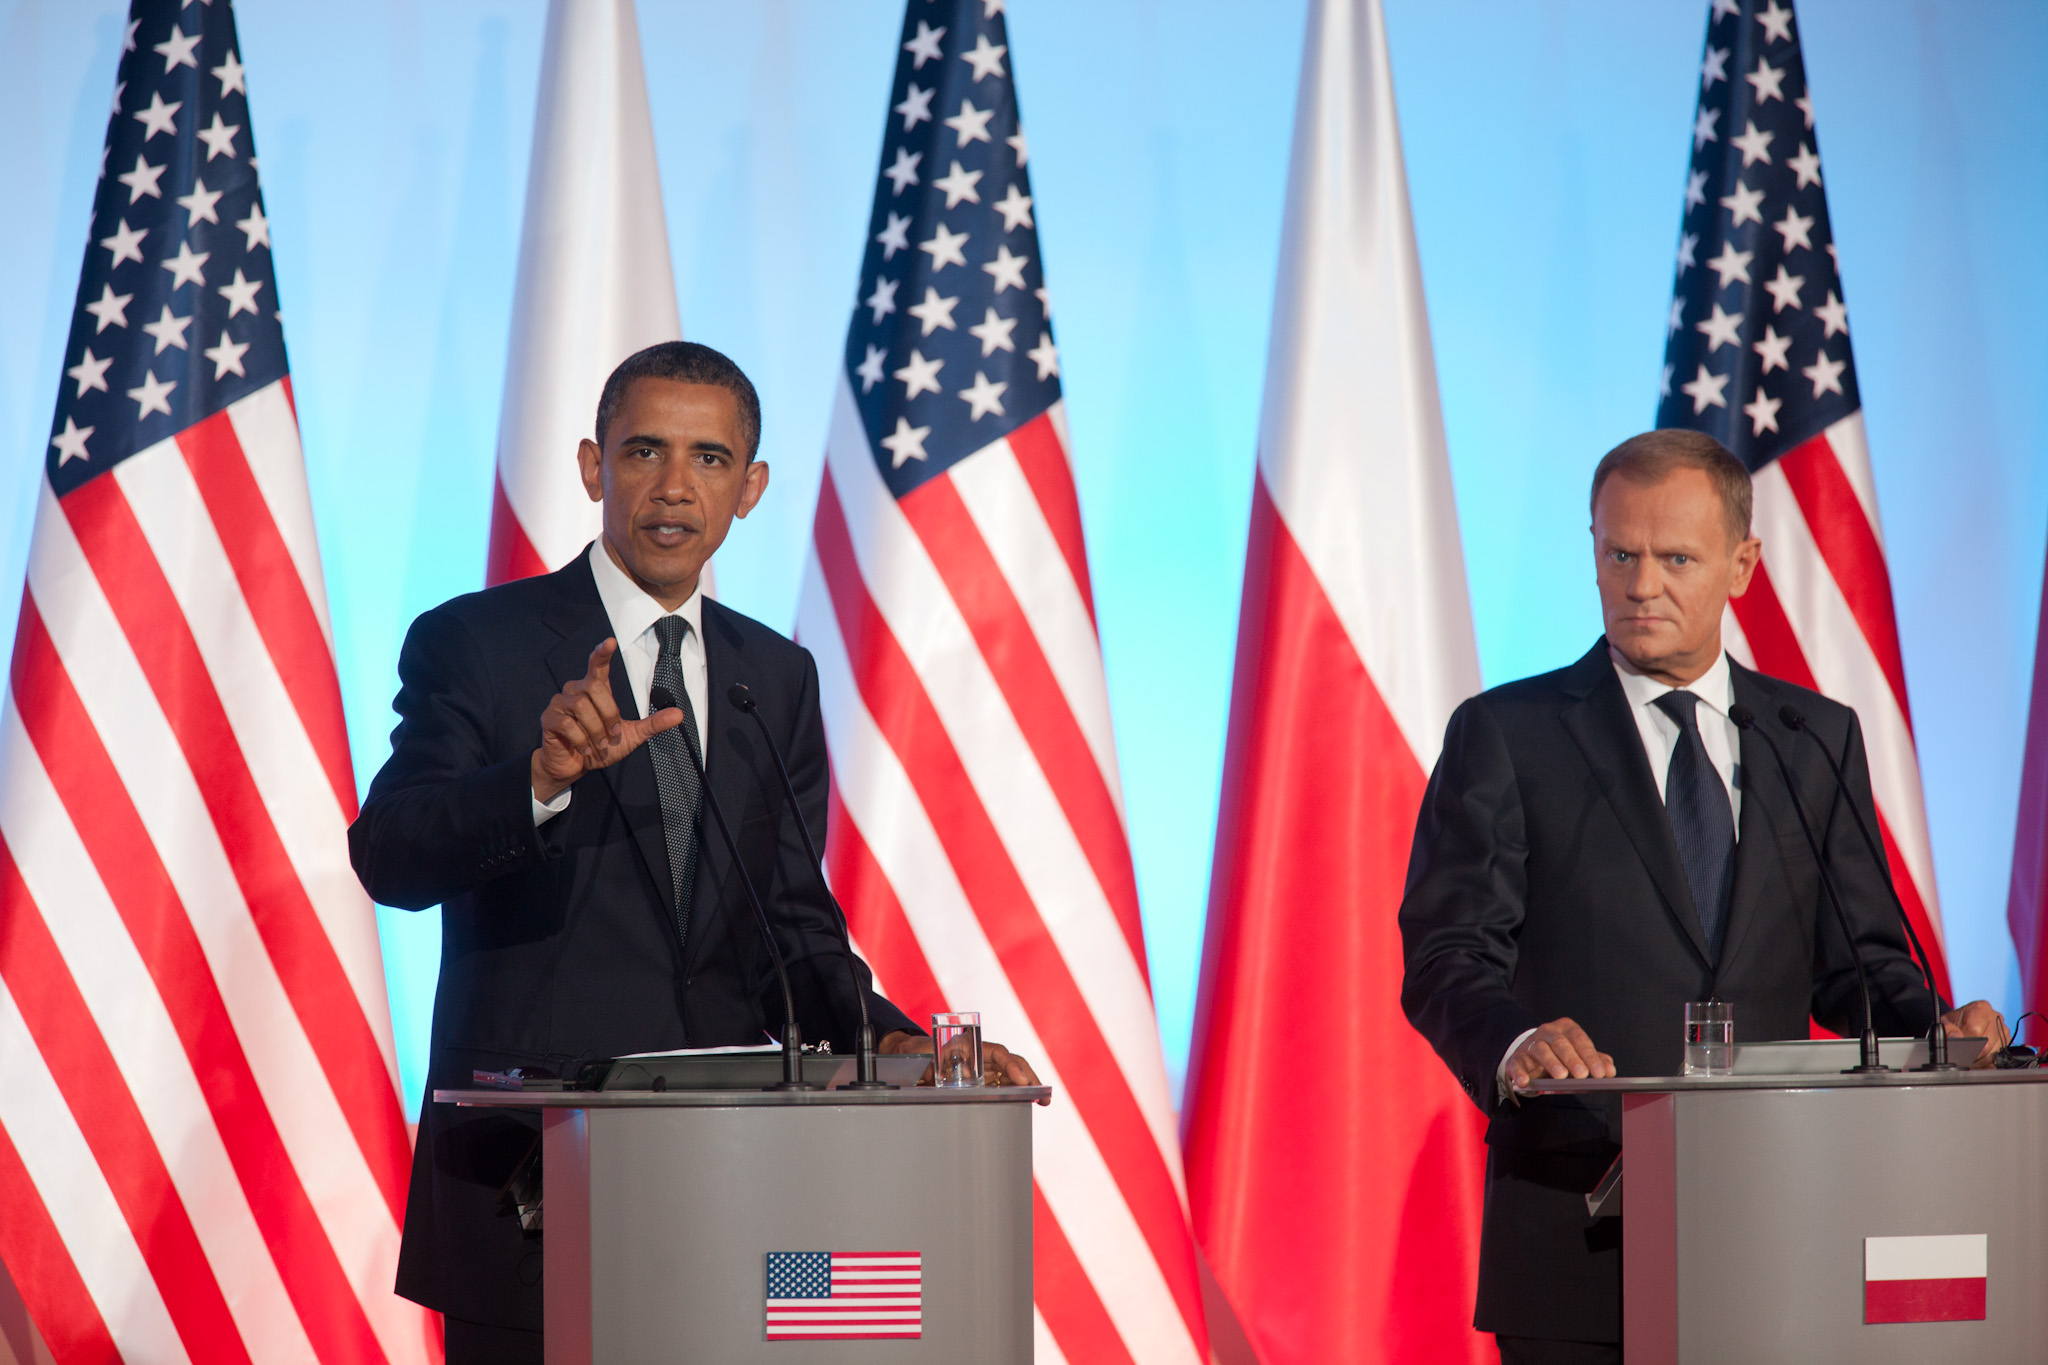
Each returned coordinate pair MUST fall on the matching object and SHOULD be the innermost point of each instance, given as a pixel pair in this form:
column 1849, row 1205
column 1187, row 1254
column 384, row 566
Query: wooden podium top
column 738, row 1099
column 1664, row 1085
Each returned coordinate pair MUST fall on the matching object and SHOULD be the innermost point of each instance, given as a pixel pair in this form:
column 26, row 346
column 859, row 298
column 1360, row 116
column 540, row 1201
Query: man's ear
column 755, row 485
column 590, row 463
column 1747, row 555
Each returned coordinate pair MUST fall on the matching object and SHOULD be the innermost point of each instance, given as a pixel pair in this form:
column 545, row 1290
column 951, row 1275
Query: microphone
column 1937, row 1036
column 1745, row 720
column 792, row 1037
column 866, row 1065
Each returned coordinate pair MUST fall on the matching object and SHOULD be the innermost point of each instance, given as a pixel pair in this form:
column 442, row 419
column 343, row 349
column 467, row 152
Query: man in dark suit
column 1600, row 845
column 538, row 794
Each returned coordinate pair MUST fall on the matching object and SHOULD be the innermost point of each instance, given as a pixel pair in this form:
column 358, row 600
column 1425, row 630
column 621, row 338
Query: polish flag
column 1925, row 1279
column 2026, row 909
column 594, row 280
column 1334, row 1167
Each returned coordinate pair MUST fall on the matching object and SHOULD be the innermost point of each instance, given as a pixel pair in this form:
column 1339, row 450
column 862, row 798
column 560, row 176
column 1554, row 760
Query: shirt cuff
column 544, row 811
column 1500, row 1073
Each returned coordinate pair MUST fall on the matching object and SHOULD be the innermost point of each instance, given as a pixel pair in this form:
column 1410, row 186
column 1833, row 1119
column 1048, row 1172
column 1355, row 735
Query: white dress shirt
column 633, row 614
column 1716, row 690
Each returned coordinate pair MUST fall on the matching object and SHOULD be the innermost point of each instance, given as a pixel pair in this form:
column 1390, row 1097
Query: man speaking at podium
column 1600, row 845
column 589, row 906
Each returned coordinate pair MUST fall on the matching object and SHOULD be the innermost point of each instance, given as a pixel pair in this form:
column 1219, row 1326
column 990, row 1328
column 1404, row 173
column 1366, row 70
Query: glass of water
column 956, row 1049
column 1709, row 1038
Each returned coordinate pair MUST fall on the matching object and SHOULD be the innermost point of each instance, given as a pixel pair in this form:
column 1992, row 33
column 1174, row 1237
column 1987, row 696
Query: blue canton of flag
column 951, row 343
column 177, row 310
column 1758, row 355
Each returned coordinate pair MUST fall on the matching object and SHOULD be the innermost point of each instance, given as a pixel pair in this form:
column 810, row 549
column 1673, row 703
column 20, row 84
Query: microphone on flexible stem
column 792, row 1036
column 1745, row 720
column 1937, row 1036
column 866, row 1066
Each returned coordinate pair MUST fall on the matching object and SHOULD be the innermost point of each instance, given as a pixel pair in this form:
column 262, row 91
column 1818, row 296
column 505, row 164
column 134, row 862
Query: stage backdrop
column 1546, row 149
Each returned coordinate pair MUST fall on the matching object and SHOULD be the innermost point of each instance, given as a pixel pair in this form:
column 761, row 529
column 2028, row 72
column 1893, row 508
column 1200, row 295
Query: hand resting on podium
column 999, row 1065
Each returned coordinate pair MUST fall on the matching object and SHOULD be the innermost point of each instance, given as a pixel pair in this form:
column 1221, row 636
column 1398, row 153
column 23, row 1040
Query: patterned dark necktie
column 675, row 775
column 1696, row 802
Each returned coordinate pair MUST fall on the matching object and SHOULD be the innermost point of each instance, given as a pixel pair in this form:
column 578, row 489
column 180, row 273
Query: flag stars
column 142, row 180
column 925, row 46
column 935, row 312
column 1784, row 290
column 219, row 138
column 1762, row 412
column 994, row 333
column 199, row 204
column 240, row 294
column 1016, row 210
column 944, row 247
column 152, row 395
column 90, row 372
column 1826, row 374
column 1744, row 204
column 1755, row 144
column 986, row 58
column 916, row 107
column 169, row 331
column 1795, row 229
column 1677, row 319
column 1774, row 349
column 125, row 244
column 970, row 124
column 1731, row 264
column 870, row 368
column 1021, row 147
column 959, row 183
column 894, row 236
column 227, row 357
column 256, row 228
column 983, row 397
column 883, row 300
column 1688, row 242
column 1722, row 9
column 111, row 310
column 1695, row 190
column 1777, row 23
column 1807, row 165
column 1721, row 329
column 1804, row 104
column 904, row 172
column 177, row 51
column 1664, row 381
column 187, row 266
column 1834, row 315
column 70, row 442
column 1007, row 270
column 906, row 443
column 1768, row 80
column 919, row 375
column 159, row 117
column 1714, row 68
column 1705, row 391
column 1703, row 128
column 229, row 74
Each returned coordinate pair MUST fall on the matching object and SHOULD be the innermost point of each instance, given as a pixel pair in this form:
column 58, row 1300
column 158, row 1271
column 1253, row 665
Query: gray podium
column 661, row 1210
column 1746, row 1202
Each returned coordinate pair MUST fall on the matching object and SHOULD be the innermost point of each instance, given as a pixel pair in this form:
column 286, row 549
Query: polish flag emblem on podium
column 1925, row 1279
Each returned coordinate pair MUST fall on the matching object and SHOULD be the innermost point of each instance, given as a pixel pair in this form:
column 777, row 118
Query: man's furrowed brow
column 640, row 438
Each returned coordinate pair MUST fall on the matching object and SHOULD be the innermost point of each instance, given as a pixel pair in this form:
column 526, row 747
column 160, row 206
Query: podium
column 1748, row 1206
column 661, row 1210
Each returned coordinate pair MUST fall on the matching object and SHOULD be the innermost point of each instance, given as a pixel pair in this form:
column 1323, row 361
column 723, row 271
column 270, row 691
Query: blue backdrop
column 1546, row 147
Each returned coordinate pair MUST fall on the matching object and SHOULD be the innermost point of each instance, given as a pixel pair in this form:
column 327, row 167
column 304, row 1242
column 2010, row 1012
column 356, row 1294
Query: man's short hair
column 686, row 362
column 1650, row 458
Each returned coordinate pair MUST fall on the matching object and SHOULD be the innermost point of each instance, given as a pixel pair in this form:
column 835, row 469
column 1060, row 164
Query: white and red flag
column 2026, row 908
column 202, row 1153
column 1334, row 1166
column 1926, row 1279
column 977, row 837
column 1759, row 358
column 594, row 280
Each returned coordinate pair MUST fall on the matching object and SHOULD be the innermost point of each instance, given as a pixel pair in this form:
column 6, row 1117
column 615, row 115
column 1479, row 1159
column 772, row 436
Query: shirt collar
column 1715, row 687
column 631, row 610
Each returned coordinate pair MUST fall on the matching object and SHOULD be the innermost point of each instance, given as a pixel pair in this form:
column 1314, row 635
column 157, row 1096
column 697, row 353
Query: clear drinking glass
column 1709, row 1038
column 956, row 1049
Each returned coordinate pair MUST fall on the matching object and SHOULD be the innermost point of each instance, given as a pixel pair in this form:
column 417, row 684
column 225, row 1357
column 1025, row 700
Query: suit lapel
column 578, row 613
column 1599, row 722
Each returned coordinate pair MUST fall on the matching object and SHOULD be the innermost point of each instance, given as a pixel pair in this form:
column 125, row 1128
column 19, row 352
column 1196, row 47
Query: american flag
column 1759, row 358
column 844, row 1295
column 977, row 836
column 202, row 1155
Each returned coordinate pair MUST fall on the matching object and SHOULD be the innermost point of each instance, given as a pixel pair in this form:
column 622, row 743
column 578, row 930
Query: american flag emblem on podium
column 845, row 1295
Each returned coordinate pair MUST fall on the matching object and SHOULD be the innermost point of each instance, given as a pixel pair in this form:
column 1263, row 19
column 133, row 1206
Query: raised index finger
column 599, row 671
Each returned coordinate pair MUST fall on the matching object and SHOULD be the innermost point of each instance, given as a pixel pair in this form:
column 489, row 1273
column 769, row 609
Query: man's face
column 672, row 475
column 1667, row 565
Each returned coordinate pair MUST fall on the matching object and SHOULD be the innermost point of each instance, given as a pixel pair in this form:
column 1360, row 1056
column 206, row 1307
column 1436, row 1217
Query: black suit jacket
column 1545, row 882
column 560, row 943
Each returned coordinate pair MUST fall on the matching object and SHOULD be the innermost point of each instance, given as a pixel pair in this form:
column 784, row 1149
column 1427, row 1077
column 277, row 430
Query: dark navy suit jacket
column 560, row 943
